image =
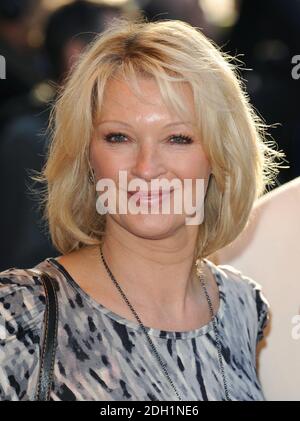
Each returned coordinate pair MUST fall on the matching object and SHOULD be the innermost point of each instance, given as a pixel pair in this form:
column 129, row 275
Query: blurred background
column 41, row 39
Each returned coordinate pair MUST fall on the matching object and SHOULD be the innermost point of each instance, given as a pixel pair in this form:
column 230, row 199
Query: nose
column 148, row 163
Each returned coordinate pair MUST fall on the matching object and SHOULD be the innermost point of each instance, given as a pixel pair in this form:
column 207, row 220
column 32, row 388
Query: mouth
column 152, row 196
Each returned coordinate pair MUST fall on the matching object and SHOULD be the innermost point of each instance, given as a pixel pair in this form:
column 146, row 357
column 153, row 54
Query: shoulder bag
column 49, row 345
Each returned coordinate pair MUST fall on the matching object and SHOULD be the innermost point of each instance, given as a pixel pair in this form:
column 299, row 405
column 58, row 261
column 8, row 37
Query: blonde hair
column 233, row 136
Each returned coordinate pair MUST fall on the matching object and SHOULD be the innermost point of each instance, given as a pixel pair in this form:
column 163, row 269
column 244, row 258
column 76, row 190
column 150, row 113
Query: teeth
column 149, row 197
column 150, row 193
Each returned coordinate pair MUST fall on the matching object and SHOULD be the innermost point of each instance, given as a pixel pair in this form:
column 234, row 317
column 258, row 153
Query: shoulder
column 14, row 279
column 22, row 307
column 22, row 301
column 244, row 294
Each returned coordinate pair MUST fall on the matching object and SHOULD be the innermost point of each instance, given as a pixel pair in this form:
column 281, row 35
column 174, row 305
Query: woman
column 143, row 315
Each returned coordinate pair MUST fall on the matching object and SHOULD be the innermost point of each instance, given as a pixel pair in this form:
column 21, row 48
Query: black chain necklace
column 152, row 346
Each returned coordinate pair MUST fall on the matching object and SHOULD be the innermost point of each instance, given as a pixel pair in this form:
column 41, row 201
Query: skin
column 149, row 255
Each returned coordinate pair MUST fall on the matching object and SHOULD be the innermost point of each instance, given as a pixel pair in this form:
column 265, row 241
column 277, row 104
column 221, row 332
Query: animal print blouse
column 105, row 357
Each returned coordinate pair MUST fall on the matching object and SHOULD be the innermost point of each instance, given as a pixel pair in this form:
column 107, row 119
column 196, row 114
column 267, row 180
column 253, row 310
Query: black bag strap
column 50, row 337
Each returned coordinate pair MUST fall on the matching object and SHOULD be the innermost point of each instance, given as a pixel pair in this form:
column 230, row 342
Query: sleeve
column 262, row 308
column 258, row 305
column 22, row 305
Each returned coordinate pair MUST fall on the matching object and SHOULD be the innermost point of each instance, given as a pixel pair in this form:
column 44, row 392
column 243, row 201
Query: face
column 148, row 141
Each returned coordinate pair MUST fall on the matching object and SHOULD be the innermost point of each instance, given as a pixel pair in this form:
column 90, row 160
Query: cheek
column 106, row 163
column 106, row 168
column 192, row 167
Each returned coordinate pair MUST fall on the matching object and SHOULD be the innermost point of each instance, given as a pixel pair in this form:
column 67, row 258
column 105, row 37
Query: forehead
column 122, row 98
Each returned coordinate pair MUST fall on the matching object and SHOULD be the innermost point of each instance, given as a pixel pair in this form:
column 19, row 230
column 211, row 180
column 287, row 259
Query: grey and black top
column 103, row 356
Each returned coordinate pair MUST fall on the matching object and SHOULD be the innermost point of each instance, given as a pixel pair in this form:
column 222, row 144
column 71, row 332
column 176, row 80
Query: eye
column 118, row 137
column 181, row 139
column 114, row 137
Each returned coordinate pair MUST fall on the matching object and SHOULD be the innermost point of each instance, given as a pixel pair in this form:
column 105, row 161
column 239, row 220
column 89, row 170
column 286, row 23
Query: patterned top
column 105, row 357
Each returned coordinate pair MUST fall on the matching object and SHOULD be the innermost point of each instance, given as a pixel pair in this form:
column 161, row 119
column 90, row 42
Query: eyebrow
column 175, row 123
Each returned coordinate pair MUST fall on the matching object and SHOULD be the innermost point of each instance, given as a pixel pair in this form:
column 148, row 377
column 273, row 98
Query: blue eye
column 185, row 140
column 109, row 137
column 119, row 137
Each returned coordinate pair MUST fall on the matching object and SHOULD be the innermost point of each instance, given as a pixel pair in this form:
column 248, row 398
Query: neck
column 161, row 271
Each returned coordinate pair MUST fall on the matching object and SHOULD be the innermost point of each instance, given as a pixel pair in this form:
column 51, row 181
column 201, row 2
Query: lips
column 150, row 196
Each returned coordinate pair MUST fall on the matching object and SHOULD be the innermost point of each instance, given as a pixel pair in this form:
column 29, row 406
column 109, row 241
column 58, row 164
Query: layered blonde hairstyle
column 233, row 136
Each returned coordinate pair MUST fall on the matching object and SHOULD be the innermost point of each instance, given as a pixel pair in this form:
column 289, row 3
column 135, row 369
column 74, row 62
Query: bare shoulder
column 84, row 266
column 79, row 261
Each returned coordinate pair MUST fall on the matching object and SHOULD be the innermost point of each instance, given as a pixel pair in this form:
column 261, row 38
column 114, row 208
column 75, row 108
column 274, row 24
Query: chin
column 151, row 226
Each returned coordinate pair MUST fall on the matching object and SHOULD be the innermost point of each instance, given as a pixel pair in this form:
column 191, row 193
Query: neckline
column 164, row 334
